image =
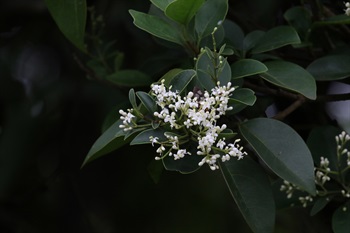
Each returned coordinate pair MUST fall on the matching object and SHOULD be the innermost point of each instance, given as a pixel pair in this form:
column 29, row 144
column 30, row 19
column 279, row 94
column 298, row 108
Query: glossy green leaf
column 341, row 219
column 205, row 70
column 130, row 78
column 143, row 137
column 208, row 16
column 244, row 96
column 251, row 190
column 333, row 67
column 110, row 140
column 182, row 11
column 290, row 76
column 319, row 205
column 181, row 80
column 156, row 26
column 282, row 149
column 161, row 4
column 168, row 76
column 247, row 67
column 147, row 101
column 70, row 17
column 275, row 38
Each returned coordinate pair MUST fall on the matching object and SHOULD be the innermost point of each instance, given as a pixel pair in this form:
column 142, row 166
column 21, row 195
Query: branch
column 291, row 108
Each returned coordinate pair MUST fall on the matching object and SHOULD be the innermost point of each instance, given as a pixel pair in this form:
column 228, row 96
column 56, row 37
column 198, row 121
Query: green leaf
column 181, row 80
column 185, row 165
column 247, row 67
column 208, row 16
column 205, row 70
column 161, row 4
column 155, row 169
column 300, row 18
column 70, row 17
column 275, row 38
column 251, row 190
column 132, row 98
column 143, row 137
column 156, row 26
column 244, row 96
column 328, row 68
column 290, row 76
column 319, row 205
column 227, row 134
column 168, row 76
column 282, row 149
column 110, row 140
column 130, row 78
column 147, row 101
column 233, row 34
column 182, row 11
column 341, row 219
column 334, row 20
column 252, row 39
column 225, row 73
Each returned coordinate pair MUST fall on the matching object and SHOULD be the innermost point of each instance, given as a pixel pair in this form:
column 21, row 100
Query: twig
column 291, row 108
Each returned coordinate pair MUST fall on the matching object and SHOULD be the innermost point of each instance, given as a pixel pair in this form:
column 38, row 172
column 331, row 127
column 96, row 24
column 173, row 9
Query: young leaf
column 251, row 190
column 156, row 26
column 333, row 67
column 182, row 11
column 147, row 101
column 132, row 98
column 70, row 17
column 282, row 149
column 130, row 78
column 341, row 219
column 208, row 16
column 275, row 38
column 180, row 81
column 290, row 76
column 110, row 140
column 161, row 4
column 247, row 67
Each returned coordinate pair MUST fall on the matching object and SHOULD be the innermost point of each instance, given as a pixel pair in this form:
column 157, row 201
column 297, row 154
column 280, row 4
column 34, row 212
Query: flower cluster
column 323, row 171
column 347, row 10
column 195, row 115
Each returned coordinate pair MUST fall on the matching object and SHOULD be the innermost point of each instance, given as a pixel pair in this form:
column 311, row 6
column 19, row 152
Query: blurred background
column 54, row 104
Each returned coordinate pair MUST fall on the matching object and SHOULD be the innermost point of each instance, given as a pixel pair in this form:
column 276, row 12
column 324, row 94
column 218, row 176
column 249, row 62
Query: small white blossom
column 127, row 119
column 347, row 10
column 304, row 200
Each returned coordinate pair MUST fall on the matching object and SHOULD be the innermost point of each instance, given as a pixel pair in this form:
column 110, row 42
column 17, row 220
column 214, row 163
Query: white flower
column 127, row 119
column 347, row 10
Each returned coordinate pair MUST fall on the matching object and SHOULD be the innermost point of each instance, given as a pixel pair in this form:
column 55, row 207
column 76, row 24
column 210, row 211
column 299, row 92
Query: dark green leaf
column 185, row 165
column 244, row 96
column 147, row 101
column 182, row 11
column 180, row 81
column 205, row 71
column 70, row 17
column 168, row 76
column 319, row 205
column 227, row 134
column 337, row 19
column 282, row 149
column 334, row 67
column 233, row 34
column 156, row 26
column 161, row 4
column 290, row 76
column 224, row 73
column 132, row 98
column 247, row 67
column 155, row 169
column 208, row 16
column 251, row 190
column 275, row 38
column 341, row 219
column 143, row 137
column 252, row 39
column 130, row 78
column 110, row 140
column 300, row 18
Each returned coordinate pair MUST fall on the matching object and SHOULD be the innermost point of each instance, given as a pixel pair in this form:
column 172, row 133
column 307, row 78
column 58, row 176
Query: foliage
column 201, row 84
